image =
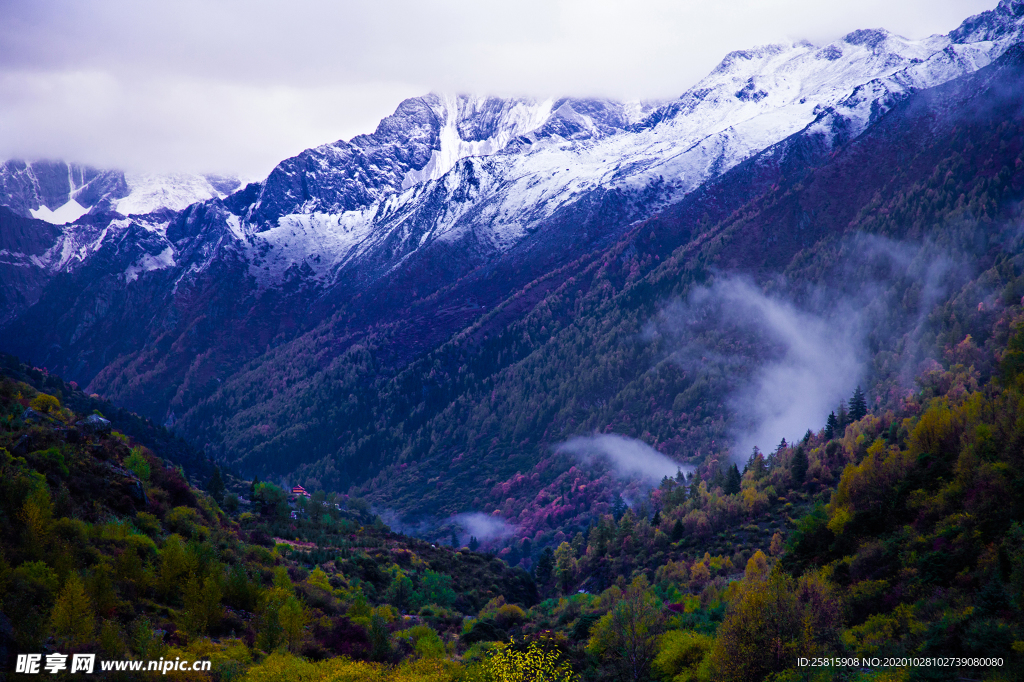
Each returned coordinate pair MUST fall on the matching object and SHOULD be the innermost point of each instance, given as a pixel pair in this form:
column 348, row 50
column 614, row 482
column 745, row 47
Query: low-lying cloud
column 627, row 457
column 788, row 366
column 820, row 362
column 482, row 526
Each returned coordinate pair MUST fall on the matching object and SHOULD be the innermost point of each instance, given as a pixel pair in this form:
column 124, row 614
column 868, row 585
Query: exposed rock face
column 26, row 187
column 30, row 415
column 94, row 425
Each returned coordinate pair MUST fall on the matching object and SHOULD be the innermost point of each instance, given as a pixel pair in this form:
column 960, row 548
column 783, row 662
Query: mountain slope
column 456, row 218
column 486, row 407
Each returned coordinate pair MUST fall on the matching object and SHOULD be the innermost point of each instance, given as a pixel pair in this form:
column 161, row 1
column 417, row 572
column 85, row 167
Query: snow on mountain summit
column 60, row 192
column 486, row 172
column 148, row 192
column 491, row 170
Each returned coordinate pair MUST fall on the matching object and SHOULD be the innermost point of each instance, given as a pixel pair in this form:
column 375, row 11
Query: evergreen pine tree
column 782, row 446
column 252, row 486
column 799, row 465
column 619, row 507
column 732, row 481
column 677, row 531
column 757, row 464
column 216, row 486
column 545, row 564
column 656, row 521
column 474, row 544
column 694, row 485
column 831, row 426
column 858, row 405
column 718, row 480
column 842, row 419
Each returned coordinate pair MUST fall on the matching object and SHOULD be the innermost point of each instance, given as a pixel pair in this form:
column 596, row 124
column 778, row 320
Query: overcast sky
column 236, row 86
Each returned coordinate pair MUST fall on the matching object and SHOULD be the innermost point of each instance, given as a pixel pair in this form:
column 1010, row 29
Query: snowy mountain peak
column 149, row 192
column 60, row 192
column 476, row 175
column 999, row 24
column 475, row 126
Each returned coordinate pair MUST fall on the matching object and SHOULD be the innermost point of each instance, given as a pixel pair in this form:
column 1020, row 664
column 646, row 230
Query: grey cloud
column 235, row 86
column 820, row 361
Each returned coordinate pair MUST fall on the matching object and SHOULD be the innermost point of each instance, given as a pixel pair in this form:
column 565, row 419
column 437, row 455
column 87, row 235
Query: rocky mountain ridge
column 59, row 192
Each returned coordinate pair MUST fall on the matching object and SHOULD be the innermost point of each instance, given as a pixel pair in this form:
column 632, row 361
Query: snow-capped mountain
column 60, row 192
column 447, row 192
column 446, row 168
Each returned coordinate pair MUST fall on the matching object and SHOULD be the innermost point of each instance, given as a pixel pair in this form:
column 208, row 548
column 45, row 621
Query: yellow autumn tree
column 565, row 566
column 626, row 638
column 37, row 513
column 202, row 604
column 293, row 622
column 776, row 546
column 45, row 403
column 73, row 618
column 772, row 622
column 539, row 662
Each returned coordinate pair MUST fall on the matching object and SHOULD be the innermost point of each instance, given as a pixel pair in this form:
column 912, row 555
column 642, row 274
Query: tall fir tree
column 545, row 564
column 732, row 481
column 757, row 464
column 858, row 405
column 216, row 486
column 717, row 480
column 799, row 465
column 831, row 425
column 694, row 485
column 619, row 507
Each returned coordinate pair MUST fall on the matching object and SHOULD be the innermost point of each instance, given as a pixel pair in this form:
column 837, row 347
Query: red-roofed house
column 299, row 490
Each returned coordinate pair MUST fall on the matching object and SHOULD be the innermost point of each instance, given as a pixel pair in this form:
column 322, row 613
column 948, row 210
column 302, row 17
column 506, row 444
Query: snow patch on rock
column 68, row 213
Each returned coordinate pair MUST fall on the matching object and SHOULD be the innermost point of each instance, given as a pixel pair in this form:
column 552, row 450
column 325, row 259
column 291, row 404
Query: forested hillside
column 891, row 532
column 890, row 250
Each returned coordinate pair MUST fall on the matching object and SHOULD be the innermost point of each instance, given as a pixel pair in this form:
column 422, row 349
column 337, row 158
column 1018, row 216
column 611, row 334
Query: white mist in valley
column 628, row 458
column 482, row 526
column 796, row 368
column 819, row 363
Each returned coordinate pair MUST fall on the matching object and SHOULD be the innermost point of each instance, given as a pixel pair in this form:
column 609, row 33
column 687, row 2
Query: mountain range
column 482, row 278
